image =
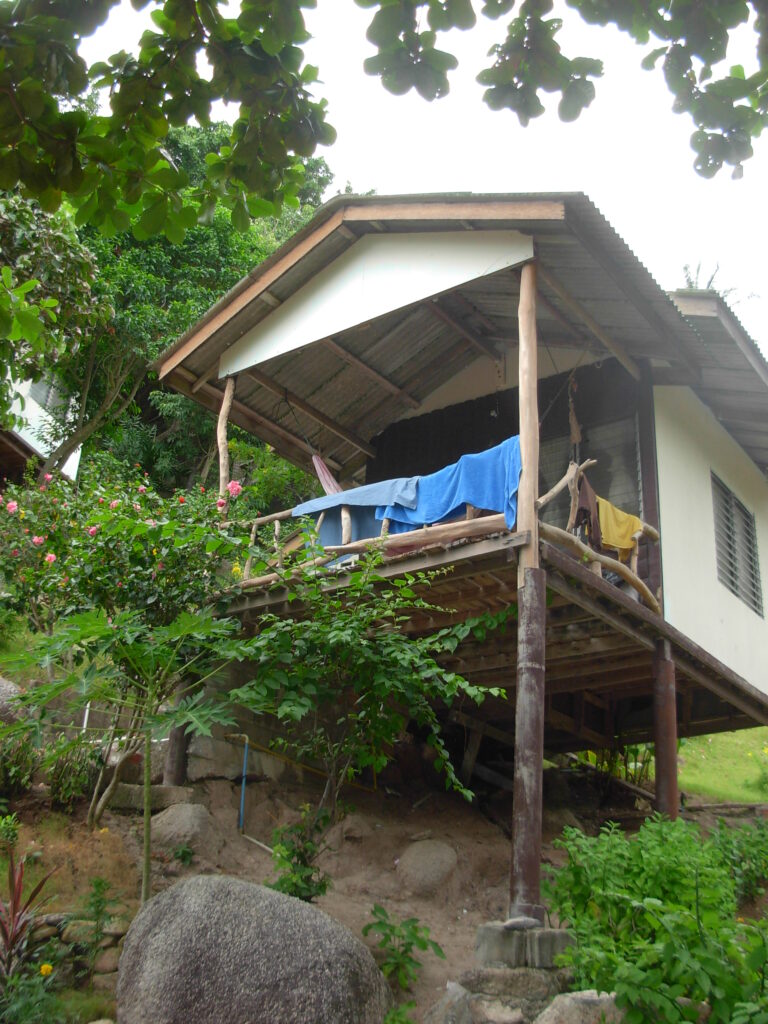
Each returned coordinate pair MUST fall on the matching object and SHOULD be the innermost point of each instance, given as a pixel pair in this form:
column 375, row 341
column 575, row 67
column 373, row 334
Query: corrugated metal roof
column 417, row 352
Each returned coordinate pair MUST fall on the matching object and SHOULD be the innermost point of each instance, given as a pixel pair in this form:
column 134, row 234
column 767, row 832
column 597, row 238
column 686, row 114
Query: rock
column 425, row 867
column 9, row 695
column 216, row 948
column 107, row 961
column 453, row 1008
column 459, row 1006
column 105, row 983
column 187, row 825
column 521, row 923
column 510, row 984
column 131, row 798
column 554, row 820
column 491, row 1011
column 588, row 1007
column 78, row 932
column 557, row 792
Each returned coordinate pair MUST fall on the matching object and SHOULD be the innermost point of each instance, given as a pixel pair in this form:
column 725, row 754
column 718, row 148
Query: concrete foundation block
column 545, row 944
column 495, row 944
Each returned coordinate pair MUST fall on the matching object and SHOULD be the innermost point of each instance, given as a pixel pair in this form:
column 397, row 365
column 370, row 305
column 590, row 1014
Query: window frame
column 736, row 546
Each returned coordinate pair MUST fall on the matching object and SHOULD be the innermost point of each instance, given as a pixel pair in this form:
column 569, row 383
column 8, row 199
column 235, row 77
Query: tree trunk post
column 221, row 436
column 665, row 730
column 525, row 878
column 146, row 871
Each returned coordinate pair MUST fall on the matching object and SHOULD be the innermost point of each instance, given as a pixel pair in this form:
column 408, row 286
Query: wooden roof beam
column 274, row 429
column 358, row 364
column 483, row 347
column 319, row 417
column 589, row 321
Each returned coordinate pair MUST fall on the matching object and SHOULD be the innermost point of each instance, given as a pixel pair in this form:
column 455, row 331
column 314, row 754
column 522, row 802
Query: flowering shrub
column 111, row 542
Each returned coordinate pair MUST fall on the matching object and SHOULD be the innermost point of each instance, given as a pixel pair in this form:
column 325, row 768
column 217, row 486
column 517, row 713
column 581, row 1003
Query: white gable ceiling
column 378, row 274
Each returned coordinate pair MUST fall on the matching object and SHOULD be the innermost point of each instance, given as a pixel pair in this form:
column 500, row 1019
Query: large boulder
column 9, row 695
column 213, row 949
column 426, row 866
column 187, row 825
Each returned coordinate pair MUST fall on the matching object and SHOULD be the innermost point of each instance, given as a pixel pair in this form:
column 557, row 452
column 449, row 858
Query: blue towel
column 400, row 491
column 488, row 480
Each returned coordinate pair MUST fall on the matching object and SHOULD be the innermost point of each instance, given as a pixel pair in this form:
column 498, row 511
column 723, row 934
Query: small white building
column 31, row 441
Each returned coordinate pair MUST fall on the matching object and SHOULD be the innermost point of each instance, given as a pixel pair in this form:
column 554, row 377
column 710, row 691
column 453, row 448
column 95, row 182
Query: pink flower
column 202, row 490
column 12, row 506
column 221, row 503
column 42, row 487
column 92, row 531
column 159, row 566
column 50, row 558
column 151, row 522
column 136, row 507
column 142, row 489
column 48, row 477
column 114, row 504
column 234, row 487
column 37, row 541
column 15, row 552
column 101, row 501
column 182, row 499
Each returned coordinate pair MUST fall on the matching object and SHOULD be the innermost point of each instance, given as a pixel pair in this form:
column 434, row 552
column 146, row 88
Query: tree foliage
column 113, row 167
column 48, row 307
column 689, row 42
column 117, row 170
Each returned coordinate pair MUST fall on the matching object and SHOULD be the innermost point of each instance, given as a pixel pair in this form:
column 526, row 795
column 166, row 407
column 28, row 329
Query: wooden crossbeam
column 359, row 364
column 319, row 417
column 248, row 413
column 483, row 347
column 589, row 321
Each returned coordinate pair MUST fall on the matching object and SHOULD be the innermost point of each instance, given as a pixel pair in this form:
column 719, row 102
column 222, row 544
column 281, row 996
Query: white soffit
column 378, row 274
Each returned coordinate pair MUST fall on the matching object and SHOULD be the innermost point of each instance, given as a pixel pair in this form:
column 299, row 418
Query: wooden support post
column 665, row 730
column 346, row 525
column 525, row 881
column 470, row 756
column 221, row 435
column 527, row 516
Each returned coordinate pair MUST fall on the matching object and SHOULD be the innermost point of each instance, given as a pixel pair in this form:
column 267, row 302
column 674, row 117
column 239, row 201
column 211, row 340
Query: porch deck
column 600, row 642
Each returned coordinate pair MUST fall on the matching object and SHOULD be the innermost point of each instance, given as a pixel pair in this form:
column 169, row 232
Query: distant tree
column 49, row 274
column 157, row 290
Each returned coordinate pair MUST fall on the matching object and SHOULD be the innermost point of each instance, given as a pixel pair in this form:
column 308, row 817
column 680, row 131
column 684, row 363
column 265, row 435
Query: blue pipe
column 241, row 821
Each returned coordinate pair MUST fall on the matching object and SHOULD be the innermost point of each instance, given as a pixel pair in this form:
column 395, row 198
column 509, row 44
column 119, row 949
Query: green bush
column 72, row 772
column 745, row 851
column 9, row 831
column 295, row 849
column 398, row 939
column 19, row 759
column 654, row 921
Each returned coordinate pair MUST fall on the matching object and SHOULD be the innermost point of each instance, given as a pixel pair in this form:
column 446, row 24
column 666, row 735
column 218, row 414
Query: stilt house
column 392, row 335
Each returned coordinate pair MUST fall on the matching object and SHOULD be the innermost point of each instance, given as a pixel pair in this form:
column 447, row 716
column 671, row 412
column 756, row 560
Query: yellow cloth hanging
column 617, row 528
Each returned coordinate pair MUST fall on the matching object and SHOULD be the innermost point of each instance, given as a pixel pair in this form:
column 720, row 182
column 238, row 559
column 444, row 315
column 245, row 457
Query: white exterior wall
column 36, row 420
column 690, row 445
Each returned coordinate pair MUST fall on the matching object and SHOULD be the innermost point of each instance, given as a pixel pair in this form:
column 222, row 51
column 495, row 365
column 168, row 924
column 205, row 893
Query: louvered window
column 736, row 545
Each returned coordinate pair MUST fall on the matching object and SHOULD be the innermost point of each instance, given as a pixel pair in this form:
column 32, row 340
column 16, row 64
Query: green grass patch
column 80, row 1005
column 726, row 767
